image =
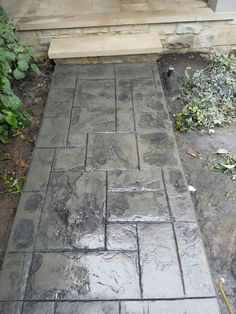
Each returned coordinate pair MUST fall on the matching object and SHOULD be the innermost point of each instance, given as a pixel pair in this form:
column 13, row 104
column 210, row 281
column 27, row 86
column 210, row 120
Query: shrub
column 209, row 96
column 15, row 61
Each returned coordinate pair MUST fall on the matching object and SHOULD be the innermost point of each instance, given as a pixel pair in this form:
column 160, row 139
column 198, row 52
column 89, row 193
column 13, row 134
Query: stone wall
column 182, row 37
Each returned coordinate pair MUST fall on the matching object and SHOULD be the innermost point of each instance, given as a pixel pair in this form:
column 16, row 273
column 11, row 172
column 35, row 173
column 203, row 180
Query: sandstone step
column 104, row 45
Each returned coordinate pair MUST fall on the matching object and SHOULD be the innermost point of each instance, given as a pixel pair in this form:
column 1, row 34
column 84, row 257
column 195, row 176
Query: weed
column 209, row 96
column 11, row 183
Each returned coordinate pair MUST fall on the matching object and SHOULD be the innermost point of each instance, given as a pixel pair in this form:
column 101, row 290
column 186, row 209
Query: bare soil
column 33, row 91
column 215, row 211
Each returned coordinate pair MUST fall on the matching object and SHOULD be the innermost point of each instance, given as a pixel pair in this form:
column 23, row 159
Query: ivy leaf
column 35, row 68
column 23, row 65
column 18, row 75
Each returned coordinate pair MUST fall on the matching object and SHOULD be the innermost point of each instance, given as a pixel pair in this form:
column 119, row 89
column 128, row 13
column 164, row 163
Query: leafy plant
column 12, row 184
column 5, row 156
column 209, row 95
column 226, row 162
column 15, row 61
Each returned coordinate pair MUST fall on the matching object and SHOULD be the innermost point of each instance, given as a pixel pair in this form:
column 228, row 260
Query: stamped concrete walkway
column 106, row 224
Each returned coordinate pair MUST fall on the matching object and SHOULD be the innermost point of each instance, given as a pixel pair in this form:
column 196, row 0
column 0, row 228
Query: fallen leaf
column 192, row 152
column 222, row 151
column 205, row 55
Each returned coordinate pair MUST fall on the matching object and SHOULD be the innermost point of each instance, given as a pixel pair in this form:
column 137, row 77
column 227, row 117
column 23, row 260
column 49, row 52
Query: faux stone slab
column 26, row 222
column 157, row 149
column 59, row 102
column 144, row 85
column 135, row 180
column 64, row 76
column 73, row 215
column 40, row 168
column 161, row 277
column 112, row 151
column 10, row 307
column 182, row 208
column 88, row 308
column 77, row 140
column 89, row 121
column 124, row 106
column 69, row 159
column 121, row 237
column 133, row 70
column 53, row 132
column 38, row 308
column 96, row 71
column 13, row 276
column 197, row 306
column 94, row 95
column 197, row 277
column 175, row 181
column 150, row 110
column 137, row 206
column 78, row 276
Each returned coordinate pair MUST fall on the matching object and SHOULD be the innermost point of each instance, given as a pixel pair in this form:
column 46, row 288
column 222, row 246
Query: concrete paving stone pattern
column 106, row 223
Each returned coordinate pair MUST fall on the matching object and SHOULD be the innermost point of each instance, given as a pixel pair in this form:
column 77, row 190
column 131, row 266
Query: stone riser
column 182, row 37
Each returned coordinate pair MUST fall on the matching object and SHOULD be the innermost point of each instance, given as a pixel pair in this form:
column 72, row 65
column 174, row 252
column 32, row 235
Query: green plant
column 226, row 162
column 12, row 184
column 209, row 96
column 5, row 156
column 15, row 61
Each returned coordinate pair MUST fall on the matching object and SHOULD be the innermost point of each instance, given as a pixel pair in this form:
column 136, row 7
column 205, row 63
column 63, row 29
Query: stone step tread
column 170, row 15
column 104, row 45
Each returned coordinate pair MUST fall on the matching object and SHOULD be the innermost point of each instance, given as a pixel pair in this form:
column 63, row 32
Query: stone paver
column 64, row 76
column 10, row 307
column 137, row 206
column 38, row 308
column 98, row 71
column 196, row 273
column 13, row 276
column 150, row 111
column 88, row 308
column 112, row 151
column 69, row 159
column 73, row 215
column 84, row 276
column 59, row 103
column 161, row 275
column 157, row 149
column 26, row 221
column 53, row 132
column 121, row 237
column 199, row 306
column 106, row 223
column 135, row 180
column 40, row 168
column 124, row 106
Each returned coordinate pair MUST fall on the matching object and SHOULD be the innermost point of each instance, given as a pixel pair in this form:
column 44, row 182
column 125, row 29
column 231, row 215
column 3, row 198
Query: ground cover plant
column 209, row 96
column 15, row 61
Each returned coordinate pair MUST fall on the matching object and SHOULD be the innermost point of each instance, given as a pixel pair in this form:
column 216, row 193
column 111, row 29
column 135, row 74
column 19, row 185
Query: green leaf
column 35, row 68
column 11, row 101
column 10, row 56
column 18, row 75
column 11, row 119
column 23, row 65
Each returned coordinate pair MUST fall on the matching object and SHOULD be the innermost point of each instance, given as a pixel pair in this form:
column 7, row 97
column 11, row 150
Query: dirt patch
column 33, row 91
column 215, row 199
